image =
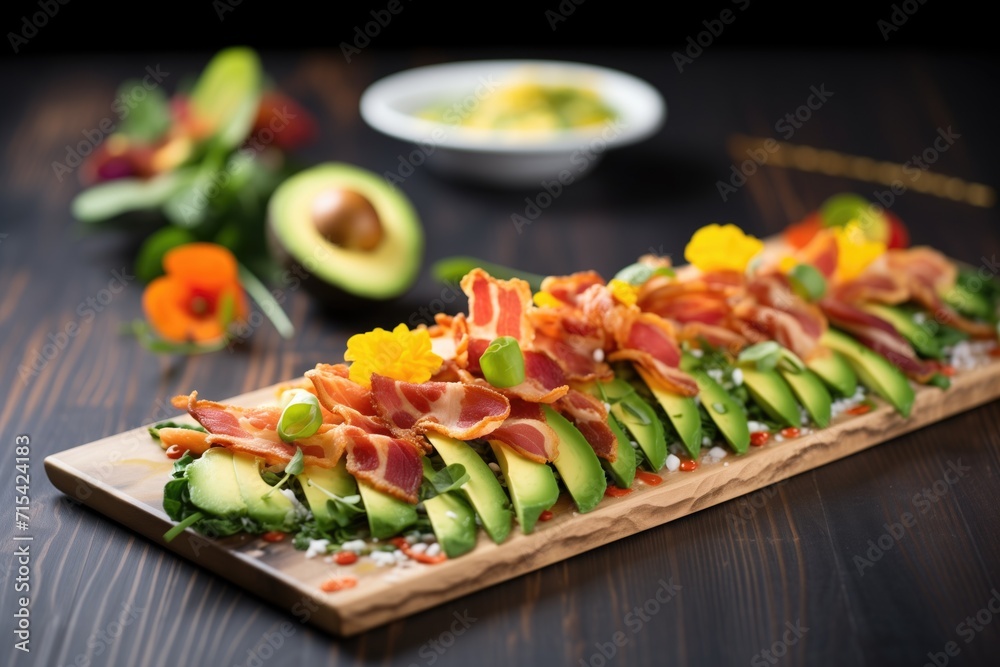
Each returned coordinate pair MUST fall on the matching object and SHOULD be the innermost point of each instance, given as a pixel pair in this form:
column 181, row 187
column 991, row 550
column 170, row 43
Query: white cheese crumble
column 419, row 548
column 715, row 374
column 717, row 453
column 383, row 558
column 696, row 353
column 967, row 355
column 737, row 377
column 755, row 426
column 434, row 549
column 598, row 355
column 357, row 546
column 317, row 548
column 673, row 463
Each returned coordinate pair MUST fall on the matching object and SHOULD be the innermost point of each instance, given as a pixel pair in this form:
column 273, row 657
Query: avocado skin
column 874, row 370
column 622, row 470
column 387, row 516
column 773, row 394
column 483, row 490
column 531, row 485
column 577, row 463
column 831, row 367
column 811, row 393
column 213, row 485
column 732, row 422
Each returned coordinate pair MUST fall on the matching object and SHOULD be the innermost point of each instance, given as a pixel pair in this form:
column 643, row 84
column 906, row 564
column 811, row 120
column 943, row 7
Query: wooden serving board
column 122, row 476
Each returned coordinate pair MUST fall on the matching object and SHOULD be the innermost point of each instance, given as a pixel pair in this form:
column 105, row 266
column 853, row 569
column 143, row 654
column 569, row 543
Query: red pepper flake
column 947, row 370
column 859, row 409
column 687, row 465
column 759, row 438
column 790, row 432
column 648, row 478
column 404, row 546
column 274, row 536
column 338, row 584
column 995, row 351
column 175, row 452
column 345, row 558
column 614, row 492
column 545, row 515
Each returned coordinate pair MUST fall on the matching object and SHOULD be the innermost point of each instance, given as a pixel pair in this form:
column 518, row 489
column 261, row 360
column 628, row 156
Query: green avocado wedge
column 622, row 470
column 531, row 485
column 811, row 392
column 682, row 412
column 723, row 409
column 921, row 339
column 213, row 485
column 453, row 521
column 641, row 421
column 272, row 509
column 772, row 394
column 578, row 465
column 874, row 370
column 387, row 516
column 483, row 490
column 831, row 367
column 335, row 480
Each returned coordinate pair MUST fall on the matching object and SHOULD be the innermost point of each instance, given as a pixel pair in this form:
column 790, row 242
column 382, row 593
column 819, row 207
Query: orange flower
column 199, row 296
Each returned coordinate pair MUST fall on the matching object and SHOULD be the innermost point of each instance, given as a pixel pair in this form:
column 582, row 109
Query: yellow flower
column 624, row 292
column 546, row 300
column 787, row 263
column 722, row 248
column 855, row 251
column 400, row 354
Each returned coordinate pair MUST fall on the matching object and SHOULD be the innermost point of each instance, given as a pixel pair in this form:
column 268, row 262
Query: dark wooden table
column 749, row 570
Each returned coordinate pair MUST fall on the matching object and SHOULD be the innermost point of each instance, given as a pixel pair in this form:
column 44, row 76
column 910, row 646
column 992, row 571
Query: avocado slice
column 483, row 490
column 453, row 521
column 727, row 414
column 773, row 394
column 337, row 481
column 833, row 369
column 921, row 340
column 387, row 516
column 874, row 370
column 642, row 422
column 347, row 232
column 275, row 511
column 612, row 391
column 970, row 303
column 578, row 465
column 622, row 470
column 213, row 485
column 682, row 412
column 811, row 392
column 531, row 485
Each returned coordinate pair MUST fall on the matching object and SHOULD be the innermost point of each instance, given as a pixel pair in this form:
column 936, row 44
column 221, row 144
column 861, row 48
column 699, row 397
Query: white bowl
column 504, row 157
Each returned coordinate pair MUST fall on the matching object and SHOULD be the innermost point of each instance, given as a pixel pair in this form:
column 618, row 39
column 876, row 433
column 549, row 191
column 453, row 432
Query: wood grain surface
column 104, row 595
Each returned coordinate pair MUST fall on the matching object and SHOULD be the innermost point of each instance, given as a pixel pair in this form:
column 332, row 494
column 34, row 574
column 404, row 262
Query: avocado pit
column 347, row 219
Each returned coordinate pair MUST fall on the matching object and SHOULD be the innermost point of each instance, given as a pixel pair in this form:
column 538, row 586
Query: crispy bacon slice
column 591, row 419
column 254, row 431
column 544, row 381
column 772, row 311
column 187, row 439
column 391, row 465
column 569, row 288
column 335, row 389
column 498, row 307
column 649, row 341
column 527, row 433
column 821, row 252
column 461, row 411
column 572, row 341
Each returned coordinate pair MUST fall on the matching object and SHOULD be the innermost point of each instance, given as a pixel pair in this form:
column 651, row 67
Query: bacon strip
column 187, row 439
column 390, row 465
column 335, row 389
column 648, row 340
column 460, row 411
column 544, row 381
column 591, row 419
column 498, row 307
column 772, row 311
column 527, row 433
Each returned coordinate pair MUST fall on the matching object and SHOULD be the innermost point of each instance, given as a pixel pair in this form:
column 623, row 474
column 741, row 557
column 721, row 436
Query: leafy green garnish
column 637, row 274
column 453, row 269
column 295, row 466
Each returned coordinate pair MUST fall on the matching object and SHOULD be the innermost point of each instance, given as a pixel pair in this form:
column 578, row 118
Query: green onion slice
column 503, row 363
column 807, row 282
column 301, row 416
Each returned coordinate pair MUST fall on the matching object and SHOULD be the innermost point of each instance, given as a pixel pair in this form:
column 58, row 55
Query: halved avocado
column 874, row 370
column 483, row 490
column 727, row 414
column 833, row 369
column 578, row 465
column 213, row 485
column 921, row 339
column 811, row 392
column 531, row 485
column 771, row 393
column 346, row 232
column 682, row 412
column 622, row 470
